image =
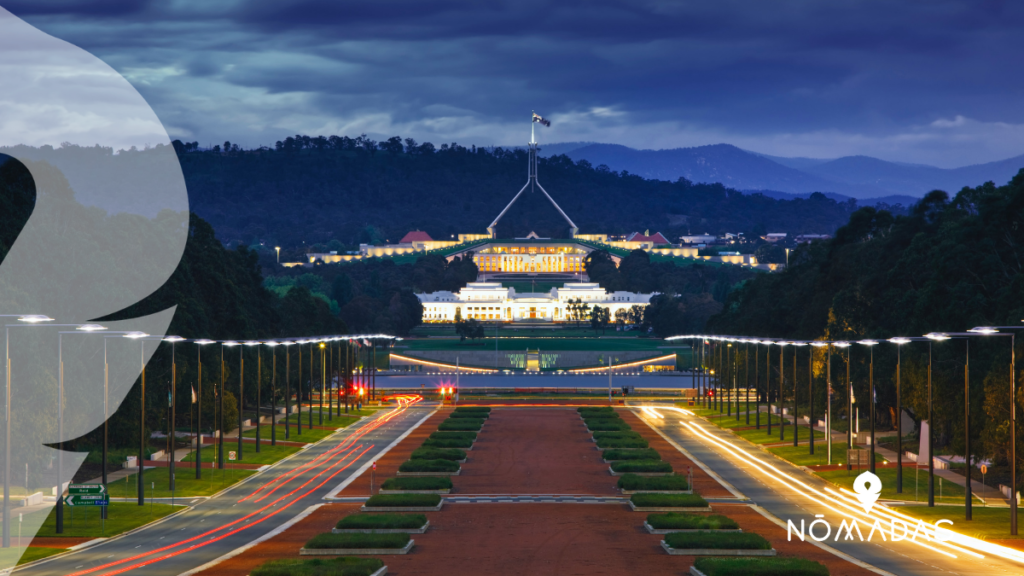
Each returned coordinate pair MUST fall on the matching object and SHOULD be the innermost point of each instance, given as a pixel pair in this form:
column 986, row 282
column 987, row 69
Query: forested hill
column 949, row 265
column 315, row 190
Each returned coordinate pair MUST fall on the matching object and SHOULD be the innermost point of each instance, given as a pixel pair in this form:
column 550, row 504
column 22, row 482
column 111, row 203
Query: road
column 244, row 512
column 791, row 494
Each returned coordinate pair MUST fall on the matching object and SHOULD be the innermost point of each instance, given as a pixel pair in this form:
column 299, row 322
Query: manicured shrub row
column 618, row 435
column 343, row 566
column 461, row 424
column 602, row 416
column 401, row 500
column 454, row 443
column 603, row 444
column 684, row 521
column 718, row 566
column 471, row 436
column 668, row 500
column 438, row 454
column 717, row 541
column 634, row 482
column 429, row 466
column 358, row 540
column 641, row 466
column 607, row 426
column 384, row 521
column 479, row 415
column 585, row 410
column 418, row 483
column 645, row 454
column 476, row 409
column 602, row 420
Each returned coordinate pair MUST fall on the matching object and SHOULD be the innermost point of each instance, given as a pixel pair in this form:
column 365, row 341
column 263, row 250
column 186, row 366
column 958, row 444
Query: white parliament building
column 492, row 301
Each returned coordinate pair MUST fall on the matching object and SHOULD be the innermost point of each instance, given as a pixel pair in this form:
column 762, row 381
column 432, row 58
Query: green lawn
column 951, row 493
column 987, row 523
column 34, row 553
column 84, row 522
column 800, row 456
column 731, row 422
column 185, row 484
column 267, row 455
column 762, row 437
column 308, row 435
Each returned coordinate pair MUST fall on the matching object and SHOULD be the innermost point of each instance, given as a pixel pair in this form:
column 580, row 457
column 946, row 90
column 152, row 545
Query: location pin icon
column 868, row 487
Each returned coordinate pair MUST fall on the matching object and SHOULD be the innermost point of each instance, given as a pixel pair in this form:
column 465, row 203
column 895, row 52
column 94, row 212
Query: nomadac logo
column 867, row 488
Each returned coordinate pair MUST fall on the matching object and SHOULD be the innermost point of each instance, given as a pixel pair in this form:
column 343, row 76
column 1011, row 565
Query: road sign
column 87, row 500
column 232, row 455
column 86, row 489
column 984, row 469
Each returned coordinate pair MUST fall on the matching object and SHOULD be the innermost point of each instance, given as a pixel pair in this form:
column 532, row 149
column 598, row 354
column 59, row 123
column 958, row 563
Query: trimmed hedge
column 718, row 566
column 584, row 410
column 343, row 566
column 684, row 521
column 453, row 436
column 429, row 466
column 645, row 454
column 418, row 483
column 483, row 409
column 438, row 454
column 358, row 540
column 382, row 521
column 640, row 466
column 461, row 424
column 602, row 416
column 609, row 444
column 603, row 420
column 453, row 443
column 404, row 500
column 717, row 541
column 478, row 415
column 607, row 426
column 618, row 435
column 634, row 482
column 668, row 500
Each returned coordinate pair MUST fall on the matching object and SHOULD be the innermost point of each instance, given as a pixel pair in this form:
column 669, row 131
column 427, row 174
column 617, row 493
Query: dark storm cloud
column 780, row 77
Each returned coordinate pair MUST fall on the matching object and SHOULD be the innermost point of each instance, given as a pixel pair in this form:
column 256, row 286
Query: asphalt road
column 790, row 494
column 244, row 512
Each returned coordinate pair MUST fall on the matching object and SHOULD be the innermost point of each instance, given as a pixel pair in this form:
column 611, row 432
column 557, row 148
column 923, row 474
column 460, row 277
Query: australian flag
column 539, row 118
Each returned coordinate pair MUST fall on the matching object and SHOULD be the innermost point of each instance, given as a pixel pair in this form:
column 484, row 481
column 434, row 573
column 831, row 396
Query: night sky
column 933, row 82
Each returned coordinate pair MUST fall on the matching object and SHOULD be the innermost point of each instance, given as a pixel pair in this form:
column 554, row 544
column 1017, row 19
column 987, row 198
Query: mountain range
column 859, row 177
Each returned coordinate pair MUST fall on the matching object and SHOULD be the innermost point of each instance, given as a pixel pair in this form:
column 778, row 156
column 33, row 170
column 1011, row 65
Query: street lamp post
column 995, row 331
column 141, row 485
column 259, row 384
column 871, row 397
column 746, row 374
column 757, row 383
column 287, row 389
column 796, row 424
column 899, row 342
column 849, row 403
column 933, row 337
column 174, row 401
column 273, row 394
column 782, row 384
column 199, row 406
column 298, row 393
column 768, row 382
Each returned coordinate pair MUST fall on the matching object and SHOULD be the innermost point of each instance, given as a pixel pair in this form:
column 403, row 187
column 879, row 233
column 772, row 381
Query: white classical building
column 492, row 301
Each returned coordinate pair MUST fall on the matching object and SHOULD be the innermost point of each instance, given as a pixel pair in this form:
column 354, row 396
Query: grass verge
column 84, row 522
column 307, row 435
column 158, row 482
column 945, row 492
column 267, row 455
